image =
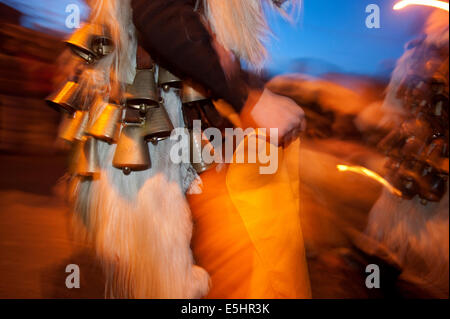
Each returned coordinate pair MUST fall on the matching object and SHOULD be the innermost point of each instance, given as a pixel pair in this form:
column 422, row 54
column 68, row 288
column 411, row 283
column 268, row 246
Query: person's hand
column 269, row 110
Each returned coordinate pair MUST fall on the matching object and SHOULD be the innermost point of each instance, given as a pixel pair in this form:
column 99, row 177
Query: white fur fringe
column 141, row 224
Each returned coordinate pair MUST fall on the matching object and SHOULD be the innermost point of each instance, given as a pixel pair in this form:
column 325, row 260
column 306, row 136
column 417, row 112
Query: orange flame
column 429, row 3
column 366, row 172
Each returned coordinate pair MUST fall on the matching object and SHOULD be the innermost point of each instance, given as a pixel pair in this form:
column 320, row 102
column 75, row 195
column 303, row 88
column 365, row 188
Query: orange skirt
column 247, row 231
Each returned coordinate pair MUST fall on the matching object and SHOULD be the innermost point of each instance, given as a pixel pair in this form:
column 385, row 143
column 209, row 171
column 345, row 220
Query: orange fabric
column 247, row 231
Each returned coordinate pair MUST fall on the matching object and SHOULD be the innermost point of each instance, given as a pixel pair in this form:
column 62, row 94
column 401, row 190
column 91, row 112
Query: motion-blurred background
column 329, row 62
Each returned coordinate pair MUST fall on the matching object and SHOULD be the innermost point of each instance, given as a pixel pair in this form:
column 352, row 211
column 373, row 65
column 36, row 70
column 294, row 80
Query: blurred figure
column 124, row 93
column 415, row 227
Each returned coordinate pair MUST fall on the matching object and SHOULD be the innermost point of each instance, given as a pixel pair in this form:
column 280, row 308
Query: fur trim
column 241, row 26
column 417, row 234
column 436, row 33
column 141, row 224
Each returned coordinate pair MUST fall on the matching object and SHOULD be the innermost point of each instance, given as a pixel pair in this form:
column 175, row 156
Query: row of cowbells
column 105, row 127
column 141, row 95
column 415, row 178
column 143, row 119
column 131, row 154
column 198, row 142
column 146, row 120
column 91, row 42
column 144, row 90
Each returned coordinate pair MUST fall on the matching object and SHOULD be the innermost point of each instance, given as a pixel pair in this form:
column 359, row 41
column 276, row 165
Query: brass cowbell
column 199, row 144
column 158, row 125
column 192, row 94
column 73, row 126
column 68, row 97
column 85, row 161
column 90, row 42
column 132, row 152
column 167, row 80
column 143, row 93
column 106, row 126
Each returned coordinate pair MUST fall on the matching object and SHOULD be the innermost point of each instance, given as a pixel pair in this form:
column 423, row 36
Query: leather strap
column 143, row 59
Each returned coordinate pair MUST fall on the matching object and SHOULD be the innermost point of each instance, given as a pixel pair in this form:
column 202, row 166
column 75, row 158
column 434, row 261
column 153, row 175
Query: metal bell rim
column 83, row 53
column 104, row 41
column 194, row 94
column 58, row 106
column 87, row 52
column 52, row 99
column 136, row 103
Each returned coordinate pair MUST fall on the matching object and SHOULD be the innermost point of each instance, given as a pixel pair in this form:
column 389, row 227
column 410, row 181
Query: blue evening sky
column 330, row 36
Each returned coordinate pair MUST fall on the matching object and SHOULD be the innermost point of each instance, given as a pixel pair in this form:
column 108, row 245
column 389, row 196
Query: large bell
column 132, row 152
column 68, row 97
column 73, row 126
column 199, row 144
column 167, row 80
column 90, row 42
column 143, row 93
column 85, row 161
column 158, row 125
column 191, row 94
column 106, row 126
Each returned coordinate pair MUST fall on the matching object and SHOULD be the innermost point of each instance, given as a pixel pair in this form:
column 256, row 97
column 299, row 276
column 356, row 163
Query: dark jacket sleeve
column 172, row 32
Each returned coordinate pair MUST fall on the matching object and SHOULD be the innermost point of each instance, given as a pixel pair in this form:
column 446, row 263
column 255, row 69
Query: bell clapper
column 143, row 109
column 126, row 171
column 154, row 141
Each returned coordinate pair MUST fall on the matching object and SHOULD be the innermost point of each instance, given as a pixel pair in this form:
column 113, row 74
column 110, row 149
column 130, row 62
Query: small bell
column 407, row 185
column 198, row 145
column 90, row 42
column 440, row 106
column 433, row 186
column 409, row 178
column 392, row 143
column 66, row 98
column 132, row 152
column 143, row 93
column 414, row 148
column 191, row 94
column 73, row 126
column 437, row 152
column 167, row 80
column 158, row 125
column 106, row 126
column 85, row 161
